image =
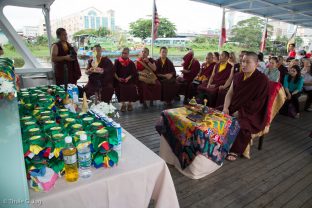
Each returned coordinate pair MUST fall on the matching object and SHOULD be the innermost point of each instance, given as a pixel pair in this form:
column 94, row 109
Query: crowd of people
column 237, row 87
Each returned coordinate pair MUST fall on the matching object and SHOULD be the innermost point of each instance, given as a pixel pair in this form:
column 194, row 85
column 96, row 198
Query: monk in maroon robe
column 101, row 76
column 166, row 74
column 149, row 86
column 125, row 81
column 219, row 81
column 63, row 55
column 246, row 100
column 203, row 76
column 191, row 67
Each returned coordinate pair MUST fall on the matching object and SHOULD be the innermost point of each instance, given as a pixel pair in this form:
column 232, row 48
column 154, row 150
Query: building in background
column 30, row 31
column 90, row 18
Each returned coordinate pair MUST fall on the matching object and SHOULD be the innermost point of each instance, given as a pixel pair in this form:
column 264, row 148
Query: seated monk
column 191, row 67
column 101, row 76
column 125, row 81
column 63, row 55
column 203, row 76
column 148, row 85
column 246, row 100
column 166, row 74
column 219, row 81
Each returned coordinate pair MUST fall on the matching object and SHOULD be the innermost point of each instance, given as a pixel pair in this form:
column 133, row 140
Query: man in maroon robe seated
column 246, row 100
column 191, row 67
column 203, row 76
column 101, row 76
column 148, row 85
column 166, row 74
column 63, row 55
column 125, row 81
column 219, row 81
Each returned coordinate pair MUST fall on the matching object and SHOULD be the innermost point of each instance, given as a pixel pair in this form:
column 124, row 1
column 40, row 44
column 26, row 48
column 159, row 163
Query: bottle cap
column 68, row 139
column 83, row 137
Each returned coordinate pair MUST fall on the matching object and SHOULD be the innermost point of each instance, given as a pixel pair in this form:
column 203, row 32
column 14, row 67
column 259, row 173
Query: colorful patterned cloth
column 212, row 138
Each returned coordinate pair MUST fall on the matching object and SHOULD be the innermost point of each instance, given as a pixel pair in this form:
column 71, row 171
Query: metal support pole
column 152, row 33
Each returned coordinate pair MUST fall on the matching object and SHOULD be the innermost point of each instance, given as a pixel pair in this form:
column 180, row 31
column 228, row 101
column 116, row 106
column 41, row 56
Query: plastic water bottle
column 84, row 157
column 117, row 147
column 70, row 160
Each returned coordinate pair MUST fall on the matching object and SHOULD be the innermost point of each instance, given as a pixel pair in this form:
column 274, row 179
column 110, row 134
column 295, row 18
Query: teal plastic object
column 13, row 181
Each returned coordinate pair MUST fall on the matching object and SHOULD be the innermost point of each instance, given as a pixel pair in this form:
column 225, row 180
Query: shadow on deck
column 278, row 176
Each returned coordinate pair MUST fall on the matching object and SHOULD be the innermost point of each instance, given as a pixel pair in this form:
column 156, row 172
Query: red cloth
column 74, row 72
column 139, row 66
column 308, row 55
column 292, row 54
column 250, row 100
column 124, row 62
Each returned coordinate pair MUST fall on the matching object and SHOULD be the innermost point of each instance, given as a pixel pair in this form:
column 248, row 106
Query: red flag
column 222, row 39
column 264, row 37
column 156, row 22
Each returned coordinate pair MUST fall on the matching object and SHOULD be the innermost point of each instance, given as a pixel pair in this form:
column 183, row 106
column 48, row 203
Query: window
column 104, row 22
column 92, row 22
column 97, row 22
column 86, row 22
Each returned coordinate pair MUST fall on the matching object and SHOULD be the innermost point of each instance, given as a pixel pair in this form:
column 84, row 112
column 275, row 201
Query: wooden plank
column 301, row 197
column 308, row 203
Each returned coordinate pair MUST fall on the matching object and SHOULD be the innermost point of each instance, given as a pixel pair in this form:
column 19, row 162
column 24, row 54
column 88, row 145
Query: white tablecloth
column 140, row 176
column 200, row 167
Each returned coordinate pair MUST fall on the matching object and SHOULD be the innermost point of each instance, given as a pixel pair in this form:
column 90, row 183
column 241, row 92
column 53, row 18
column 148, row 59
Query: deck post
column 152, row 32
column 46, row 13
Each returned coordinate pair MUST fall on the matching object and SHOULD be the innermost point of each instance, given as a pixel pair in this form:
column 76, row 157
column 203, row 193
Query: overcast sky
column 187, row 15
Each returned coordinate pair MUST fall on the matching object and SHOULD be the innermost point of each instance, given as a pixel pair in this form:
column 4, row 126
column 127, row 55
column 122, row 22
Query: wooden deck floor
column 278, row 176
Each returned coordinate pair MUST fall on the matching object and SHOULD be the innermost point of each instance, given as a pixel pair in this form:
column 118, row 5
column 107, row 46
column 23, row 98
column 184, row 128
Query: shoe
column 130, row 108
column 123, row 108
column 297, row 116
column 309, row 109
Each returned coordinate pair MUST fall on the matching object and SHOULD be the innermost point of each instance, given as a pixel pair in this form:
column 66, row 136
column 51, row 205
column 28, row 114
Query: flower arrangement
column 105, row 109
column 7, row 79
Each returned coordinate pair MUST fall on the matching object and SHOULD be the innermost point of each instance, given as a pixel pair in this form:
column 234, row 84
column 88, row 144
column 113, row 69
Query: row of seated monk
column 244, row 90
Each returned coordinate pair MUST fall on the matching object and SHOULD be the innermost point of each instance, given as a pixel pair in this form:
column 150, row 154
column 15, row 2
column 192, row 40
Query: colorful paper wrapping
column 211, row 138
column 7, row 79
column 45, row 123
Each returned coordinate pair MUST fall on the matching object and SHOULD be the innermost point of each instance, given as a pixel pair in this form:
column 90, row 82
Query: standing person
column 101, row 76
column 203, row 76
column 1, row 51
column 246, row 100
column 272, row 72
column 307, row 86
column 63, row 55
column 293, row 83
column 235, row 64
column 292, row 50
column 191, row 67
column 261, row 63
column 166, row 74
column 125, row 80
column 148, row 85
column 219, row 81
column 281, row 68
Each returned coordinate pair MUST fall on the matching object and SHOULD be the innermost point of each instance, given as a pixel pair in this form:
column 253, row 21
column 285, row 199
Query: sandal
column 232, row 155
column 123, row 108
column 130, row 108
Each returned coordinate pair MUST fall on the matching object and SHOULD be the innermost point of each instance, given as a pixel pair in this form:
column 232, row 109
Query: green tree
column 142, row 28
column 85, row 32
column 298, row 41
column 248, row 33
column 103, row 32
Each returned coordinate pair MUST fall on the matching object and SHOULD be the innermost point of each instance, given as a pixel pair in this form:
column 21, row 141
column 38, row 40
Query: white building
column 90, row 18
column 30, row 31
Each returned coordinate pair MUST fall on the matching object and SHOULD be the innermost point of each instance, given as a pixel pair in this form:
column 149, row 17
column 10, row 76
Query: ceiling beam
column 292, row 13
column 236, row 3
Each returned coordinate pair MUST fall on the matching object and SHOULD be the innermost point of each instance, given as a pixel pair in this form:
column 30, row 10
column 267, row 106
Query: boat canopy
column 290, row 11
